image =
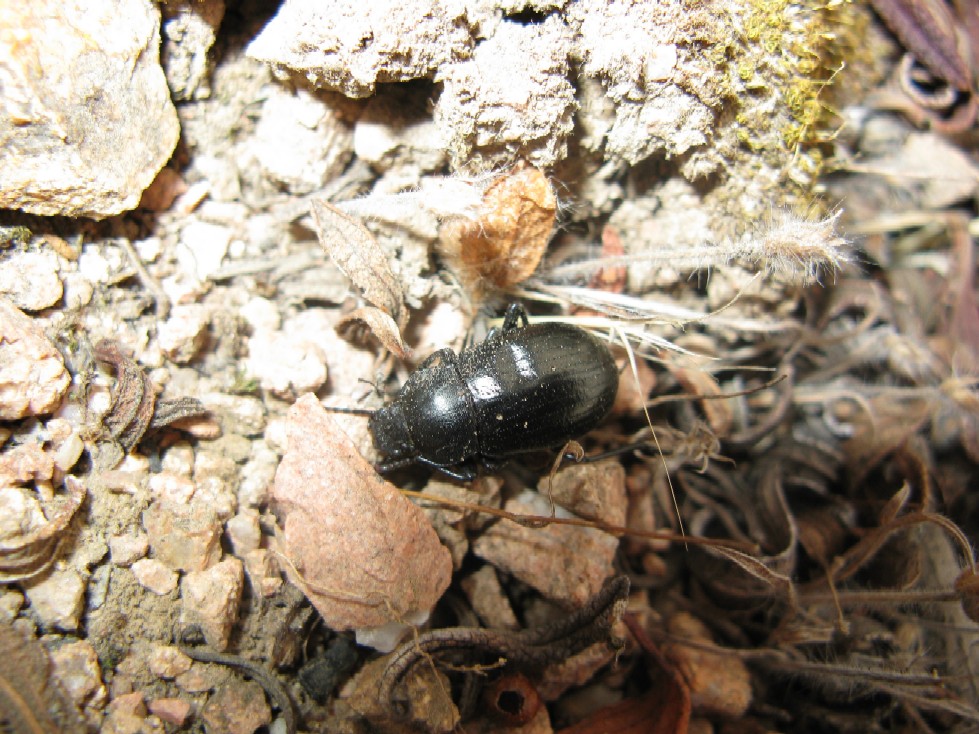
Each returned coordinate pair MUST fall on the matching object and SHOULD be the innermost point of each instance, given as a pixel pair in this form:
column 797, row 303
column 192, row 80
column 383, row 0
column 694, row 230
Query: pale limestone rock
column 189, row 30
column 76, row 666
column 184, row 332
column 33, row 377
column 300, row 141
column 511, row 99
column 286, row 364
column 202, row 247
column 350, row 46
column 86, row 119
column 30, row 279
column 244, row 532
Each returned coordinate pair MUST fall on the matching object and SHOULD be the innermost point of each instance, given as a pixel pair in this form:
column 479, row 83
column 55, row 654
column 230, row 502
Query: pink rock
column 172, row 710
column 563, row 562
column 155, row 576
column 184, row 537
column 237, row 707
column 363, row 554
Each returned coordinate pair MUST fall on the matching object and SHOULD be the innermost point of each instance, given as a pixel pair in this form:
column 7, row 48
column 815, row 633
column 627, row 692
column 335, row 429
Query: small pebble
column 166, row 661
column 155, row 576
column 174, row 711
column 30, row 279
column 57, row 598
column 210, row 600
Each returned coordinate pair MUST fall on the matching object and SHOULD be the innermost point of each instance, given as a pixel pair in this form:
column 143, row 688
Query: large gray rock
column 86, row 120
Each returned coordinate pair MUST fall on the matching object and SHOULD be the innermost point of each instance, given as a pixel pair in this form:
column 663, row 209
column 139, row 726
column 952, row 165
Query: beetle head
column 390, row 432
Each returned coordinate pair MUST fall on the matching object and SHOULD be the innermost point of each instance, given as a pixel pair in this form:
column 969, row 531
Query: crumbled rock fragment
column 184, row 332
column 131, row 704
column 202, row 248
column 300, row 141
column 11, row 601
column 126, row 715
column 76, row 666
column 720, row 685
column 30, row 279
column 172, row 487
column 594, row 491
column 244, row 532
column 263, row 572
column 245, row 413
column 33, row 377
column 57, row 598
column 563, row 562
column 487, row 599
column 382, row 560
column 189, row 29
column 26, row 463
column 394, row 132
column 210, row 599
column 512, row 99
column 174, row 711
column 184, row 537
column 127, row 548
column 167, row 662
column 155, row 576
column 237, row 707
column 351, row 46
column 86, row 117
column 286, row 364
column 631, row 50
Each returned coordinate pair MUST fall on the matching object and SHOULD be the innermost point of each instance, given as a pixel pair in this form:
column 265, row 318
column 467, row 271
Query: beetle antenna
column 349, row 411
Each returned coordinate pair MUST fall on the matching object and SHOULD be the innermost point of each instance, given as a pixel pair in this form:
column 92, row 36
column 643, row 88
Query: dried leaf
column 363, row 554
column 890, row 423
column 31, row 702
column 383, row 327
column 506, row 243
column 359, row 256
column 928, row 30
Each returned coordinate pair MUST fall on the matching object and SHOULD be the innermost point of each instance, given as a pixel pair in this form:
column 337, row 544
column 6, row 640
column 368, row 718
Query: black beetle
column 526, row 387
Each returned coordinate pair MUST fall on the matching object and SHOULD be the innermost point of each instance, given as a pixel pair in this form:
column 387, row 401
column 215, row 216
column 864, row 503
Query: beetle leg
column 514, row 313
column 389, row 466
column 462, row 472
column 445, row 356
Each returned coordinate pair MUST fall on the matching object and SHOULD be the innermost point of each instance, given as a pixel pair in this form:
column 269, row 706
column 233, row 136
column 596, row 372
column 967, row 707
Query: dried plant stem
column 540, row 521
column 887, row 597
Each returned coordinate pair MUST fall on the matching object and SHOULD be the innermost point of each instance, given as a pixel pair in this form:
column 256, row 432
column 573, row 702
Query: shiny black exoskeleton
column 525, row 388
